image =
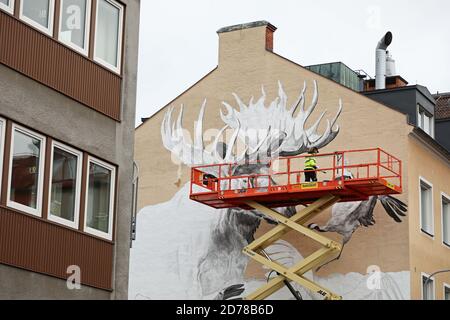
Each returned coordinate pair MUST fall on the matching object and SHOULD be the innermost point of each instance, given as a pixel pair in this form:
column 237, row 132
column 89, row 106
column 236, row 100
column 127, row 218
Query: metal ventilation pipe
column 380, row 62
column 390, row 65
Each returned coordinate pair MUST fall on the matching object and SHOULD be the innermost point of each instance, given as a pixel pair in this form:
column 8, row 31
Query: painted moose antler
column 266, row 132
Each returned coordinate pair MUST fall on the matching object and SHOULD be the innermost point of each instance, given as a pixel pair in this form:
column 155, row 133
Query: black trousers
column 310, row 175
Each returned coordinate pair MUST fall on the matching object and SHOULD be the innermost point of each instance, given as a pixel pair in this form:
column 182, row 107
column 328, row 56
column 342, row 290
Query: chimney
column 380, row 63
column 241, row 40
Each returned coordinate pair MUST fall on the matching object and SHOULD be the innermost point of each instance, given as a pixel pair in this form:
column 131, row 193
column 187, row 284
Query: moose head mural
column 265, row 132
column 208, row 262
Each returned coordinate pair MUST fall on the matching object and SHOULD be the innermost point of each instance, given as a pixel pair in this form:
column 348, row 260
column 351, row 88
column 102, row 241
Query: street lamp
column 434, row 273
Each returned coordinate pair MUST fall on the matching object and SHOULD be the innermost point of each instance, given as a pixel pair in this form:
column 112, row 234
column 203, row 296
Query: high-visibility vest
column 310, row 163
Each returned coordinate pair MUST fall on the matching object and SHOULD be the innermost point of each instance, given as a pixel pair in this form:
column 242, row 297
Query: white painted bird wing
column 344, row 208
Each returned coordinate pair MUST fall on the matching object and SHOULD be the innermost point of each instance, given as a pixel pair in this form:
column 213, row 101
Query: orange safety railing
column 276, row 174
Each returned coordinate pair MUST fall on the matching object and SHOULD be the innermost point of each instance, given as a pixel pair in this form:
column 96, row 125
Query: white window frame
column 430, row 120
column 2, row 147
column 87, row 31
column 38, row 211
column 73, row 224
column 422, row 117
column 433, row 282
column 51, row 17
column 447, row 198
column 445, row 286
column 112, row 198
column 423, row 180
column 117, row 68
column 9, row 9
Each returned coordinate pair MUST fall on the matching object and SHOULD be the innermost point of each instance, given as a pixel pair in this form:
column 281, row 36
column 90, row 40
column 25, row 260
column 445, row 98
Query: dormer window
column 425, row 120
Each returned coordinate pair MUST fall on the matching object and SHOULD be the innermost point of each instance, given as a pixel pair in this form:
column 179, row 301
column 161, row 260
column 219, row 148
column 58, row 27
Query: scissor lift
column 342, row 176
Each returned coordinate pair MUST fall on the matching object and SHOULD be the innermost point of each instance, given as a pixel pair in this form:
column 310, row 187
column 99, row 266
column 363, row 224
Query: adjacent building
column 442, row 115
column 67, row 108
column 246, row 60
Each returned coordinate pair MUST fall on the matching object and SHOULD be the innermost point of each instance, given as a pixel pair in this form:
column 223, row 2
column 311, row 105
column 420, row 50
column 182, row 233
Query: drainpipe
column 135, row 187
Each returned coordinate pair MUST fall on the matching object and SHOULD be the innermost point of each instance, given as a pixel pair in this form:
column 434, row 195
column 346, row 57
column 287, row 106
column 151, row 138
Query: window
column 26, row 170
column 445, row 203
column 7, row 5
column 425, row 120
column 427, row 287
column 426, row 207
column 420, row 119
column 38, row 13
column 2, row 145
column 108, row 34
column 429, row 125
column 65, row 183
column 100, row 198
column 446, row 291
column 74, row 24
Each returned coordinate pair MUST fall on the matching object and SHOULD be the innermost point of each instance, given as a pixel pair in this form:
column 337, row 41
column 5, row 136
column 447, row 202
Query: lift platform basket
column 351, row 175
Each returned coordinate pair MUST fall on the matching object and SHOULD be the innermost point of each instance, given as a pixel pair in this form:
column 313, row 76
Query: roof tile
column 442, row 110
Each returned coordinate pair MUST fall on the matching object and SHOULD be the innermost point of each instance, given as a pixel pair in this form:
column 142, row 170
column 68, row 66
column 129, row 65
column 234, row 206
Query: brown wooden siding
column 44, row 247
column 49, row 62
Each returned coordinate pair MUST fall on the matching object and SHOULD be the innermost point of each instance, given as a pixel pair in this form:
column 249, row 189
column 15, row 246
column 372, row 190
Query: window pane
column 25, row 170
column 446, row 220
column 426, row 212
column 73, row 22
column 428, row 293
column 37, row 10
column 98, row 208
column 107, row 33
column 447, row 293
column 426, row 126
column 426, row 208
column 430, row 125
column 5, row 2
column 63, row 187
column 420, row 119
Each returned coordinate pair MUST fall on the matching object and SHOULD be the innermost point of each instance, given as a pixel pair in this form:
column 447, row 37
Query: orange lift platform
column 351, row 175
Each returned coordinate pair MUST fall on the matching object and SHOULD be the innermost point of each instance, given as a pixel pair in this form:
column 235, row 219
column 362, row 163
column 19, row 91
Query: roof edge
column 248, row 25
column 431, row 143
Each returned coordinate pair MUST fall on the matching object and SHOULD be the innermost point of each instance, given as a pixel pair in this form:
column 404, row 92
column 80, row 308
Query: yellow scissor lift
column 377, row 175
column 330, row 248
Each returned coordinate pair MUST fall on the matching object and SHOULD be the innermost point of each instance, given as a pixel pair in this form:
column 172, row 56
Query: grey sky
column 179, row 44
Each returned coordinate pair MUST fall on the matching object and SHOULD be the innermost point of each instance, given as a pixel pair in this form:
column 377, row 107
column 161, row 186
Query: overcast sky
column 179, row 43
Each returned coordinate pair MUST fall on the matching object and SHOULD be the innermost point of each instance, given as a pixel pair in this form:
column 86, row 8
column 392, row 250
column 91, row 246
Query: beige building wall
column 427, row 254
column 245, row 65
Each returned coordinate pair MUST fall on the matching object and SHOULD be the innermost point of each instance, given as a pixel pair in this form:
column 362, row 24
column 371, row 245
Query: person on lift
column 311, row 165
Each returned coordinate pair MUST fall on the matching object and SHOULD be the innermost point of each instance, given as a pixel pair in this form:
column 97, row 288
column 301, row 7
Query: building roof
column 338, row 72
column 423, row 90
column 382, row 96
column 442, row 109
column 325, row 63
